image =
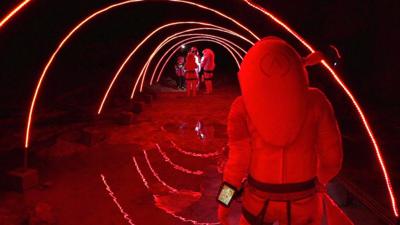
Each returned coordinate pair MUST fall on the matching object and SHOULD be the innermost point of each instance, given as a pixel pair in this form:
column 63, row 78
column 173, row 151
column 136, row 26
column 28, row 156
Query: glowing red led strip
column 183, row 219
column 137, row 47
column 155, row 70
column 227, row 46
column 180, row 34
column 196, row 40
column 349, row 94
column 115, row 200
column 155, row 174
column 13, row 12
column 175, row 166
column 87, row 19
column 336, row 51
column 175, row 46
column 144, row 69
column 141, row 174
column 199, row 155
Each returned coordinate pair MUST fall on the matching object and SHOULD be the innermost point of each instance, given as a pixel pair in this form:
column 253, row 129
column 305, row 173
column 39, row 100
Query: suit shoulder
column 318, row 99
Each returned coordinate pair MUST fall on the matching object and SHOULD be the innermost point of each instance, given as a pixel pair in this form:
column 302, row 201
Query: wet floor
column 163, row 168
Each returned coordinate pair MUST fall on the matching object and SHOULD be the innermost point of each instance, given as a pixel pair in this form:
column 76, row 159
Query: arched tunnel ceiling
column 363, row 118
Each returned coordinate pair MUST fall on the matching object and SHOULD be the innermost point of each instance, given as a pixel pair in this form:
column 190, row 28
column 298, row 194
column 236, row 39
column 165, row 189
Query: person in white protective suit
column 208, row 66
column 284, row 138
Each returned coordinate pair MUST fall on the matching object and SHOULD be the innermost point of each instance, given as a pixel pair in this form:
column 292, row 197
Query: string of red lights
column 204, row 36
column 175, row 166
column 188, row 42
column 194, row 154
column 13, row 13
column 173, row 214
column 127, row 217
column 180, row 34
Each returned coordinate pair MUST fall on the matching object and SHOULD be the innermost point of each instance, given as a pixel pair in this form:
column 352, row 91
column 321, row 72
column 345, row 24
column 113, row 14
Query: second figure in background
column 208, row 66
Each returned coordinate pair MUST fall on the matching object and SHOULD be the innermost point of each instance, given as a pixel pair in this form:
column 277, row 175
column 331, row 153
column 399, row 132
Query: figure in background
column 198, row 68
column 208, row 66
column 190, row 72
column 284, row 138
column 180, row 72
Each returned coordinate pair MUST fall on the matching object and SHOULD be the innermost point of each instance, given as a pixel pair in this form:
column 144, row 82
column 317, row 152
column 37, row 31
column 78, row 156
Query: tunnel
column 97, row 127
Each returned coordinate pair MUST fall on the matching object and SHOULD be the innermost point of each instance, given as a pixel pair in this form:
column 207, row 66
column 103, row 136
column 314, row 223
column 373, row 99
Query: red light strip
column 144, row 69
column 183, row 219
column 177, row 167
column 13, row 12
column 155, row 174
column 180, row 34
column 127, row 59
column 194, row 154
column 115, row 200
column 87, row 19
column 352, row 98
column 146, row 184
column 196, row 40
column 152, row 77
column 175, row 46
column 336, row 51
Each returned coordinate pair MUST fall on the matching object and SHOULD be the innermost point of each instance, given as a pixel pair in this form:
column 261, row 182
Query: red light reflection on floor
column 175, row 166
column 115, row 200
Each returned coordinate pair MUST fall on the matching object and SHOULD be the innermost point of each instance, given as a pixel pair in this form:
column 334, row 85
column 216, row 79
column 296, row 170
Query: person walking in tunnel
column 208, row 66
column 283, row 138
column 180, row 72
column 190, row 72
column 198, row 68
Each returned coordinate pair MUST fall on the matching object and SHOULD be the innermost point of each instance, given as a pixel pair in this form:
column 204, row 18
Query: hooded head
column 194, row 50
column 274, row 84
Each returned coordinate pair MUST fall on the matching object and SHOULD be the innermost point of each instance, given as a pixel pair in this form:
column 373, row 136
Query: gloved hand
column 223, row 214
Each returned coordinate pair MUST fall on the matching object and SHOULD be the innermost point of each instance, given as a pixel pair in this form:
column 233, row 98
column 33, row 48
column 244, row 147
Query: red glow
column 161, row 59
column 349, row 94
column 180, row 34
column 155, row 174
column 13, row 12
column 141, row 174
column 194, row 154
column 148, row 37
column 178, row 167
column 183, row 219
column 144, row 69
column 196, row 40
column 185, row 41
column 89, row 18
column 336, row 51
column 115, row 200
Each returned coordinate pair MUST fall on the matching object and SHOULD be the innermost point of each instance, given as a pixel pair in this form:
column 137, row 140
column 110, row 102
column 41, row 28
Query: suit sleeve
column 238, row 162
column 329, row 144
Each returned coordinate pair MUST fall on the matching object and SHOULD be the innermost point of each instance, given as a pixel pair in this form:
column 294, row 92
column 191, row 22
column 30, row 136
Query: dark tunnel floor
column 75, row 186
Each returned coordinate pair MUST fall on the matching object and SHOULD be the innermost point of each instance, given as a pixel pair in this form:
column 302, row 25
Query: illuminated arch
column 156, row 67
column 136, row 48
column 89, row 18
column 13, row 12
column 153, row 74
column 169, row 58
column 348, row 93
column 172, row 37
column 211, row 39
column 276, row 20
column 186, row 31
